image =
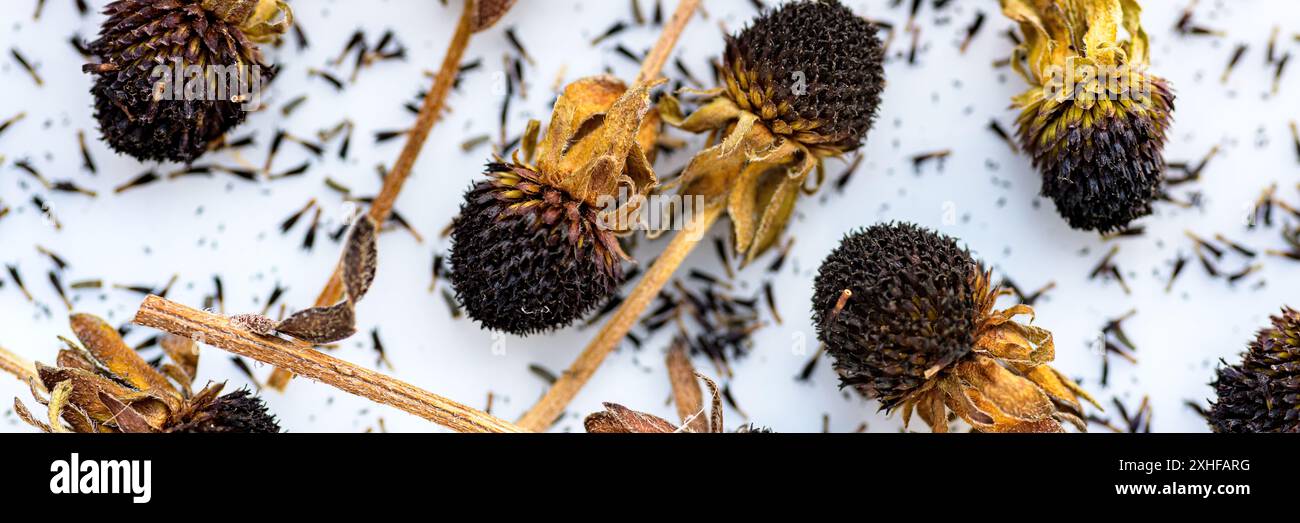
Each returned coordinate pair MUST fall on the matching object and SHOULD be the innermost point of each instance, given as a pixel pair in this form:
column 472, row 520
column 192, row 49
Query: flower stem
column 546, row 411
column 217, row 331
column 382, row 207
column 658, row 56
column 17, row 365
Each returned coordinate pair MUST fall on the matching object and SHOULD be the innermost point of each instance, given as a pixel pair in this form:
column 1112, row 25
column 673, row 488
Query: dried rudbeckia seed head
column 801, row 84
column 1094, row 121
column 909, row 318
column 529, row 258
column 812, row 70
column 1262, row 392
column 239, row 412
column 535, row 247
column 141, row 113
column 101, row 385
column 912, row 308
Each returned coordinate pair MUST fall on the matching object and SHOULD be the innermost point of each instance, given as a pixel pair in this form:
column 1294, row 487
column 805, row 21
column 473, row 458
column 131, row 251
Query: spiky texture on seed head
column 527, row 257
column 912, row 308
column 1262, row 393
column 1102, row 161
column 810, row 69
column 239, row 412
column 141, row 35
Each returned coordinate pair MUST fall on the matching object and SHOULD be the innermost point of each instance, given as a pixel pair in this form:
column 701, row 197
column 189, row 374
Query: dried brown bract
column 101, row 385
column 617, row 419
column 322, row 325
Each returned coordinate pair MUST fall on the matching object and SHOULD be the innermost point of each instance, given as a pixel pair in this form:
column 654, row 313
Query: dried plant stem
column 382, row 207
column 17, row 365
column 217, row 331
column 549, row 408
column 658, row 56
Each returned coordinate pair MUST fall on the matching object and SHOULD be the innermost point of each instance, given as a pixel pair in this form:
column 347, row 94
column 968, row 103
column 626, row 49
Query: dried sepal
column 183, row 353
column 124, row 417
column 687, row 395
column 617, row 419
column 27, row 417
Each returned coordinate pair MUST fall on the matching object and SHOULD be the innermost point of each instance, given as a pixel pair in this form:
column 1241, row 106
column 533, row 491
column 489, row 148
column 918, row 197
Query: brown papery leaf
column 321, row 325
column 1009, row 394
column 487, row 12
column 360, row 258
column 715, row 414
column 617, row 419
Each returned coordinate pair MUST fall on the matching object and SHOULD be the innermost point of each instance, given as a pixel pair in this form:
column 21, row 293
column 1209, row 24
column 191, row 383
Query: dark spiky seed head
column 1262, row 393
column 140, row 35
column 811, row 69
column 239, row 412
column 912, row 308
column 1102, row 166
column 527, row 257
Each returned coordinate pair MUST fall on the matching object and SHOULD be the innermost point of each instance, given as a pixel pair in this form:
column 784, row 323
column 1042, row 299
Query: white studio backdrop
column 198, row 227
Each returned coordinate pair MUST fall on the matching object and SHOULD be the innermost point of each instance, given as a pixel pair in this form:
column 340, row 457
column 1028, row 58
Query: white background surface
column 197, row 227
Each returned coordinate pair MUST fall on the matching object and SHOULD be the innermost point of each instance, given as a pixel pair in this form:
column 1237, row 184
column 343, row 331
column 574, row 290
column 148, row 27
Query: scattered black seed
column 309, row 240
column 86, row 160
column 244, row 368
column 274, row 298
column 1031, row 298
column 452, row 304
column 919, row 161
column 439, row 266
column 1232, row 63
column 300, row 37
column 381, row 356
column 779, row 262
column 384, row 136
column 289, row 222
column 973, row 30
column 514, row 42
column 357, row 39
column 724, row 255
column 293, row 105
column 1002, row 133
column 220, row 293
column 659, row 12
column 1179, row 264
column 80, row 45
column 637, row 15
column 58, row 260
column 541, row 372
column 771, row 301
column 328, row 77
column 1108, row 268
column 47, row 212
column 337, row 186
column 686, row 72
column 4, row 126
column 22, row 60
column 625, row 52
column 843, row 179
column 1115, row 341
column 617, row 28
column 808, row 368
column 18, row 281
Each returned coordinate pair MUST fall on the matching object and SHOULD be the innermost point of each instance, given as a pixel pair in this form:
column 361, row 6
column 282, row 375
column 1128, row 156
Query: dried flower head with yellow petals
column 536, row 244
column 909, row 318
column 803, row 83
column 102, row 385
column 140, row 112
column 1094, row 120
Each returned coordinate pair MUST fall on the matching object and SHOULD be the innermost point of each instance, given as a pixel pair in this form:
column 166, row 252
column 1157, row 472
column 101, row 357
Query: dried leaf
column 360, row 258
column 124, row 417
column 617, row 419
column 106, row 345
column 321, row 325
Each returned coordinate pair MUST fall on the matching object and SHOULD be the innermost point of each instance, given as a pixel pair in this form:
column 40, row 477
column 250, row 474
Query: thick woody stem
column 430, row 113
column 658, row 56
column 17, row 365
column 546, row 411
column 217, row 331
